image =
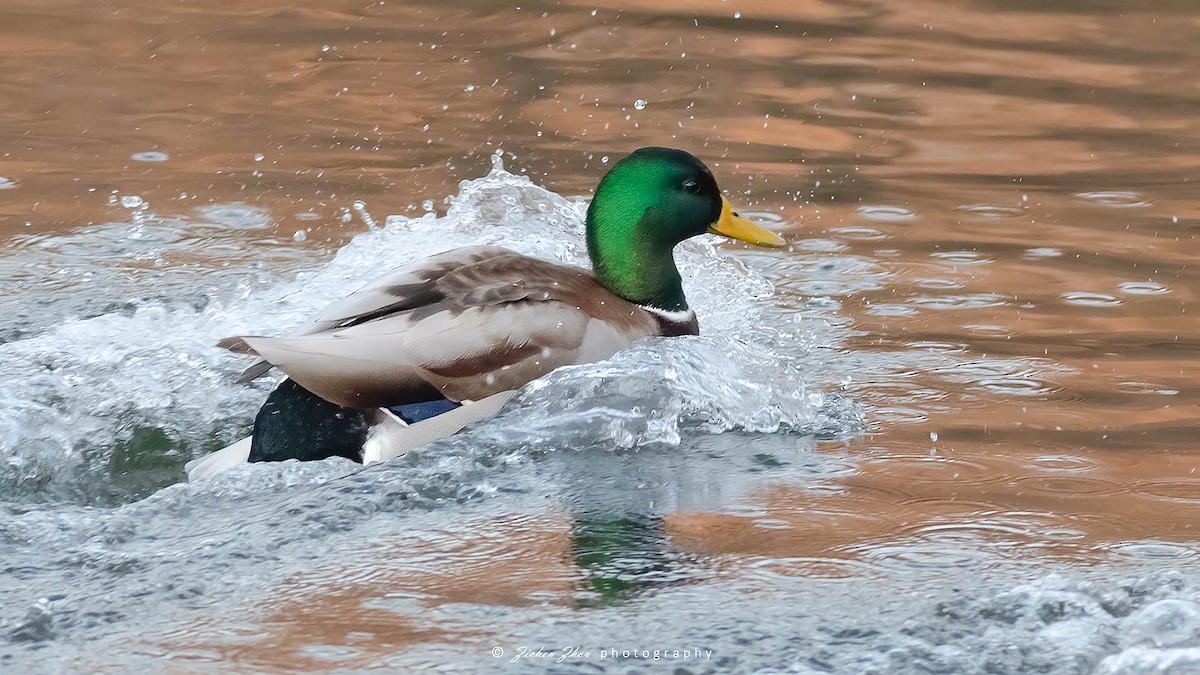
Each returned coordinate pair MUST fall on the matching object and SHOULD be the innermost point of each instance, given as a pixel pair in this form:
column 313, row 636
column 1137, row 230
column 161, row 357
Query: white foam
column 82, row 385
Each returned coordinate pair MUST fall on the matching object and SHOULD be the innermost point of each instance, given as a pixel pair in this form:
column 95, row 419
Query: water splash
column 143, row 385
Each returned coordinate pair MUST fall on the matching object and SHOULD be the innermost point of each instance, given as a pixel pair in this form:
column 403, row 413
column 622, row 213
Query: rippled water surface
column 951, row 428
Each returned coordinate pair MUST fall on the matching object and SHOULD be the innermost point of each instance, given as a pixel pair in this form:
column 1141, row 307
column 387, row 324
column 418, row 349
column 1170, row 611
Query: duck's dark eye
column 691, row 186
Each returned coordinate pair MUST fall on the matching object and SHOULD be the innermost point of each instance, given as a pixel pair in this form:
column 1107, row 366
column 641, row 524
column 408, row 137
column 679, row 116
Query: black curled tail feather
column 295, row 423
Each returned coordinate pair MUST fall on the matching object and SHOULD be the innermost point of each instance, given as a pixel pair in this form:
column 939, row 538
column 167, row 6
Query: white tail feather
column 392, row 438
column 387, row 440
column 220, row 461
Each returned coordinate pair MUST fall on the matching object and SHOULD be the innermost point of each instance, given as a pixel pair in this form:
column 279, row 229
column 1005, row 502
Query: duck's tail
column 237, row 345
column 220, row 461
column 385, row 441
column 394, row 437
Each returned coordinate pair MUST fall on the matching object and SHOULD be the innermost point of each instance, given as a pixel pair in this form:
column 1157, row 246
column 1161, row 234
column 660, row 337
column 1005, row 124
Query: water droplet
column 936, row 346
column 1084, row 299
column 427, row 205
column 737, row 15
column 1142, row 288
column 131, row 201
column 989, row 329
column 962, row 257
column 150, row 156
column 886, row 213
column 890, row 309
column 1043, row 252
column 1114, row 199
column 989, row 211
column 820, row 245
column 960, row 302
column 470, row 87
column 498, row 160
column 1134, row 387
column 300, row 235
column 360, row 207
column 640, row 104
column 862, row 233
column 1018, row 386
column 937, row 283
column 1154, row 550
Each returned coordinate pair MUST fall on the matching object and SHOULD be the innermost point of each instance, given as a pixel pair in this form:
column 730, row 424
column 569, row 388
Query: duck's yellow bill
column 730, row 224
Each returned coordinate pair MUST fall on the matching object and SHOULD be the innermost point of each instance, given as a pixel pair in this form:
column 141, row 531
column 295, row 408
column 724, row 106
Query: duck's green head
column 649, row 202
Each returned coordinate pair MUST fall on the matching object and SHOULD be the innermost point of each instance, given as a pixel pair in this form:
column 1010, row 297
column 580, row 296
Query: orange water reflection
column 1035, row 165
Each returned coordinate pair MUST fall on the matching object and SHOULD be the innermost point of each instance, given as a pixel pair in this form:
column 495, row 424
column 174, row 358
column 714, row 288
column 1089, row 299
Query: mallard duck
column 433, row 346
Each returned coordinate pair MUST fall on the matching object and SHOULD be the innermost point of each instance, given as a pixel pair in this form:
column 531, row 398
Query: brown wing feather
column 419, row 284
column 408, row 287
column 470, row 322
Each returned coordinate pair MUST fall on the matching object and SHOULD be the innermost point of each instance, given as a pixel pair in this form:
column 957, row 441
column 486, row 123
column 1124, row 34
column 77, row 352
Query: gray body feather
column 469, row 323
